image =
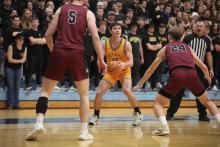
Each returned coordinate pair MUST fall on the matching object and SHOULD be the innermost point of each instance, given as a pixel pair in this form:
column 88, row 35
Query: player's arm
column 160, row 57
column 51, row 29
column 103, row 47
column 128, row 52
column 141, row 52
column 91, row 23
column 201, row 65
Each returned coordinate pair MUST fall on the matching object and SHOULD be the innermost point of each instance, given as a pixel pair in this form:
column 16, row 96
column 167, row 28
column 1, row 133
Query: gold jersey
column 115, row 54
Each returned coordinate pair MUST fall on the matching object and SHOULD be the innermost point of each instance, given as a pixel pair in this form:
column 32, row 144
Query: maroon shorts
column 67, row 60
column 182, row 78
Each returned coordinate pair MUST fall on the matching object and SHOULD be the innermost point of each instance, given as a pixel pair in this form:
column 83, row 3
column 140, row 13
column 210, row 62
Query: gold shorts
column 113, row 79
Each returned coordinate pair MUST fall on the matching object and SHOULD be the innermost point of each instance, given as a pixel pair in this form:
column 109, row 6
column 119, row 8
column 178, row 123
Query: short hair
column 115, row 24
column 16, row 16
column 176, row 32
column 34, row 18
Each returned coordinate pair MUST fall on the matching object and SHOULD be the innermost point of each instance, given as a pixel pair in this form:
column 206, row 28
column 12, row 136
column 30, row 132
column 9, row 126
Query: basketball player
column 181, row 63
column 117, row 49
column 70, row 22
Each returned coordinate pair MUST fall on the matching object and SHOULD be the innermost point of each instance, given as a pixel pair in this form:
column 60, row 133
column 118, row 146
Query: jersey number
column 176, row 48
column 72, row 16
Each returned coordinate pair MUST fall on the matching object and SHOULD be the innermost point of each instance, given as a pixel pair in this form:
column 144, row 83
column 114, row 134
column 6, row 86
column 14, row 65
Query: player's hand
column 138, row 87
column 101, row 65
column 122, row 65
column 209, row 79
column 211, row 73
column 142, row 61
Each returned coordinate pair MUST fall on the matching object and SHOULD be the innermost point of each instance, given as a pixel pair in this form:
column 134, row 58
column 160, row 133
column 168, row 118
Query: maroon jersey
column 178, row 54
column 72, row 25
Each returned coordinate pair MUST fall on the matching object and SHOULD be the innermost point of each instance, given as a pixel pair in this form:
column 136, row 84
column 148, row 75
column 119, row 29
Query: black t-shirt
column 16, row 54
column 135, row 40
column 8, row 36
column 153, row 40
column 35, row 49
column 163, row 38
column 216, row 54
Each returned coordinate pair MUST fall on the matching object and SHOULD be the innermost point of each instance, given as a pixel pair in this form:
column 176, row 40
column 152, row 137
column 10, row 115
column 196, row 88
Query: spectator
column 35, row 54
column 16, row 56
column 8, row 33
column 26, row 19
column 5, row 11
column 137, row 52
column 216, row 61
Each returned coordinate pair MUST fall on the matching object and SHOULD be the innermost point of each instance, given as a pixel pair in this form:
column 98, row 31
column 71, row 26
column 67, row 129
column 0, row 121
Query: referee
column 201, row 44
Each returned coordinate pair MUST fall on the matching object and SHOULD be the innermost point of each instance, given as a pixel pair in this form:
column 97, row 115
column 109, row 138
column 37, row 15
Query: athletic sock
column 217, row 117
column 137, row 109
column 96, row 112
column 40, row 118
column 163, row 120
column 84, row 128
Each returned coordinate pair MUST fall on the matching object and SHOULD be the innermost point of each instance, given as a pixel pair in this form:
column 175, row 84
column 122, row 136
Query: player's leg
column 210, row 105
column 102, row 88
column 160, row 113
column 41, row 108
column 83, row 90
column 126, row 88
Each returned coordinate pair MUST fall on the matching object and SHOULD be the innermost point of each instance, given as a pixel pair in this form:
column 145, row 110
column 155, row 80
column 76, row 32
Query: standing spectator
column 185, row 21
column 118, row 15
column 46, row 52
column 142, row 11
column 202, row 47
column 16, row 56
column 26, row 19
column 151, row 45
column 99, row 15
column 141, row 27
column 216, row 61
column 163, row 37
column 34, row 54
column 8, row 33
column 137, row 52
column 5, row 11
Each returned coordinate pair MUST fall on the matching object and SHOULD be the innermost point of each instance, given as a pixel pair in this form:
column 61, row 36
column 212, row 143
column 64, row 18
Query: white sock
column 217, row 117
column 84, row 127
column 163, row 120
column 40, row 119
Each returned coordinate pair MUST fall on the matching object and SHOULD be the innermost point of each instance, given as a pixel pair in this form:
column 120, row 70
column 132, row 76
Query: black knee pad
column 42, row 105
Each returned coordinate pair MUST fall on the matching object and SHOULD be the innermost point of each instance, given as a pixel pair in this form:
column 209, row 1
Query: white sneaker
column 72, row 88
column 159, row 85
column 56, row 88
column 36, row 132
column 162, row 131
column 94, row 120
column 85, row 136
column 214, row 88
column 137, row 119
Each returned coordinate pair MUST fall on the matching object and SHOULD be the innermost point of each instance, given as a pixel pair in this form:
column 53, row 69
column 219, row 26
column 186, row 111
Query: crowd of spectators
column 144, row 24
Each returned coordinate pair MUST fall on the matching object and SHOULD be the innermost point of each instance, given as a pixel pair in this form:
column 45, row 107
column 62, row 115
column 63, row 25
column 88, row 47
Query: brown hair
column 176, row 32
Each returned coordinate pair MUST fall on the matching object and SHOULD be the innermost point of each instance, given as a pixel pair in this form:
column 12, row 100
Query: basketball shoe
column 162, row 130
column 85, row 136
column 137, row 118
column 36, row 132
column 94, row 120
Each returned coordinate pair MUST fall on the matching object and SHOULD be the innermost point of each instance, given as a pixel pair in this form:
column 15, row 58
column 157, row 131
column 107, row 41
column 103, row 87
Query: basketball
column 114, row 68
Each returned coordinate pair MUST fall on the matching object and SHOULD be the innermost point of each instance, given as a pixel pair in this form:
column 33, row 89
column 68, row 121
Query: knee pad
column 42, row 105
